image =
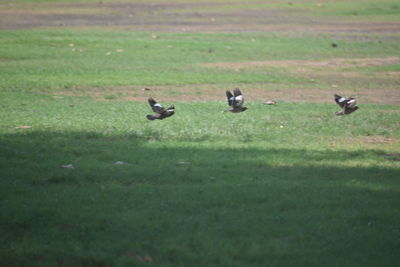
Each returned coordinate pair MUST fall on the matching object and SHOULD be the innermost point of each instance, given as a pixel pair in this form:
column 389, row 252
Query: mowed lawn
column 284, row 185
column 87, row 180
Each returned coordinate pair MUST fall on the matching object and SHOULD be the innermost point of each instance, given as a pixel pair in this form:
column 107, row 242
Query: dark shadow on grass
column 191, row 205
column 95, row 158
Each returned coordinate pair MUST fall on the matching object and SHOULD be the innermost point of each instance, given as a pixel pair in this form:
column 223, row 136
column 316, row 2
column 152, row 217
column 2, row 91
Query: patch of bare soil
column 327, row 72
column 373, row 141
column 212, row 17
column 332, row 63
column 378, row 88
column 182, row 16
column 393, row 156
column 379, row 139
column 252, row 92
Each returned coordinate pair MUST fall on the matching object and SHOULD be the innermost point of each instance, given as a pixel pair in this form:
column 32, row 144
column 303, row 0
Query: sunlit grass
column 194, row 186
column 51, row 60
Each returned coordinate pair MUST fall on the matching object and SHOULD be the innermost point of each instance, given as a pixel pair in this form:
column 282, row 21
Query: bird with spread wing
column 235, row 101
column 160, row 111
column 348, row 105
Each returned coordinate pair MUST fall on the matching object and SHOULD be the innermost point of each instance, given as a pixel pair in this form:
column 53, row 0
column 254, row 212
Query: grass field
column 289, row 184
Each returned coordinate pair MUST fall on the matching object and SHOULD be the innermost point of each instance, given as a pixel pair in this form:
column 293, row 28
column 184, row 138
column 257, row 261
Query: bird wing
column 157, row 108
column 239, row 99
column 152, row 117
column 341, row 101
column 169, row 112
column 351, row 103
column 349, row 110
column 230, row 98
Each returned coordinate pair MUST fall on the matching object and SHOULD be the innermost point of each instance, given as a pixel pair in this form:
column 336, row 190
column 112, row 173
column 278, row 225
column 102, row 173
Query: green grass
column 200, row 188
column 366, row 8
column 284, row 185
column 48, row 60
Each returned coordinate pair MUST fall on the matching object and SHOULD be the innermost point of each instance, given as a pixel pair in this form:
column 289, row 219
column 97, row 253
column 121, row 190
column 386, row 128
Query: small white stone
column 68, row 166
column 183, row 163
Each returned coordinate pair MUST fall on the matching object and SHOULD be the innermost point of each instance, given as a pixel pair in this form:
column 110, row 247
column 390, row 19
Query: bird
column 348, row 105
column 160, row 111
column 235, row 101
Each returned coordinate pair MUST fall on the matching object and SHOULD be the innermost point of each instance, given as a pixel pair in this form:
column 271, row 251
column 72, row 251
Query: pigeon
column 348, row 105
column 235, row 101
column 161, row 112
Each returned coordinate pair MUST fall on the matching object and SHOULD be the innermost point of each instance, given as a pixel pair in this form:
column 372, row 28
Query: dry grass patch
column 375, row 88
column 185, row 16
column 252, row 92
column 337, row 75
column 305, row 64
column 378, row 140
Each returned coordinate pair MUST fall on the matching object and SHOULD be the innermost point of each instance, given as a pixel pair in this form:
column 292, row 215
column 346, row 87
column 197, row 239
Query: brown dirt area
column 384, row 143
column 306, row 64
column 222, row 16
column 252, row 92
column 383, row 86
column 182, row 16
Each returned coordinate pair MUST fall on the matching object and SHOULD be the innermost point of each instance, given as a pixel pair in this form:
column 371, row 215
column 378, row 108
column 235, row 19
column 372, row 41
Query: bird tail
column 151, row 117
